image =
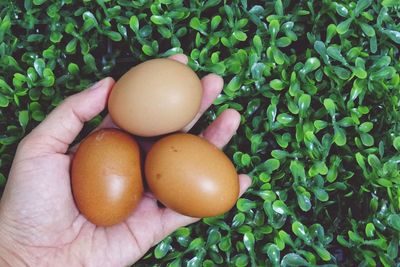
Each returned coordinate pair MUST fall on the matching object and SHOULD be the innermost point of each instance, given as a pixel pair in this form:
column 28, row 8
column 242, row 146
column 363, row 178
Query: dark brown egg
column 191, row 176
column 156, row 97
column 106, row 177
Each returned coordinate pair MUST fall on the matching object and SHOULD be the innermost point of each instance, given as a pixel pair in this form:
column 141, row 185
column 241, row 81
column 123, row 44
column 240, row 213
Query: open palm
column 39, row 222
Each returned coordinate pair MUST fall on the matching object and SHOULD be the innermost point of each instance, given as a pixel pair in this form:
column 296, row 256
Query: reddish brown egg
column 106, row 177
column 191, row 176
column 156, row 97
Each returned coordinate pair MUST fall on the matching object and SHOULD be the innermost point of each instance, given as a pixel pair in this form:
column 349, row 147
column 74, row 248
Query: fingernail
column 96, row 85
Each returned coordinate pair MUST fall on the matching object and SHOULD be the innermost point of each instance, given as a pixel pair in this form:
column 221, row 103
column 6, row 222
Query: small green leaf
column 335, row 53
column 393, row 35
column 3, row 101
column 299, row 230
column 225, row 244
column 249, row 241
column 23, row 118
column 39, row 66
column 279, row 7
column 90, row 62
column 283, row 42
column 115, row 36
column 48, row 78
column 394, row 221
column 160, row 20
column 274, row 28
column 285, row 118
column 340, row 136
column 366, row 127
column 321, row 49
column 343, row 27
column 163, row 248
column 3, row 180
column 367, row 139
column 369, row 230
column 280, row 207
column 240, row 36
column 367, row 29
column 245, row 159
column 274, row 254
column 341, row 10
column 215, row 21
column 361, row 6
column 292, row 260
column 321, row 194
column 73, row 68
column 279, row 57
column 319, row 124
column 242, row 260
column 304, row 103
column 311, row 64
column 396, row 143
column 271, row 165
column 245, row 205
column 390, row 3
column 148, row 50
column 323, row 253
column 234, row 84
column 257, row 44
column 214, row 237
column 330, row 106
column 277, row 84
column 304, row 201
column 134, row 23
column 39, row 2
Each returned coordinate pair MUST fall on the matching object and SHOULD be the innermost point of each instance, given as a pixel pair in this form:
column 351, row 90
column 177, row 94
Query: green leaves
column 311, row 65
column 5, row 25
column 304, row 104
column 134, row 23
column 23, row 118
column 276, row 84
column 366, row 127
column 361, row 6
column 343, row 27
column 293, row 259
column 330, row 106
column 396, row 143
column 240, row 36
column 39, row 66
column 162, row 248
column 160, row 20
column 3, row 101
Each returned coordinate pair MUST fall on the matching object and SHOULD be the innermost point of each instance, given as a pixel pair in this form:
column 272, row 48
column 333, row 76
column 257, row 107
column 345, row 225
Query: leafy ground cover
column 318, row 87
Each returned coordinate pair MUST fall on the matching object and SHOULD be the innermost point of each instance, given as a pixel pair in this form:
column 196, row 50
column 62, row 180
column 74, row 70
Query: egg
column 191, row 176
column 106, row 177
column 156, row 97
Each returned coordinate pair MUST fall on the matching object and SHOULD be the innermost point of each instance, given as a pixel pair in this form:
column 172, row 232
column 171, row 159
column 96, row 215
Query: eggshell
column 106, row 177
column 191, row 176
column 156, row 97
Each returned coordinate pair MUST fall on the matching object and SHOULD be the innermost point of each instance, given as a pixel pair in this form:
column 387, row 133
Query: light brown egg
column 156, row 97
column 106, row 177
column 191, row 176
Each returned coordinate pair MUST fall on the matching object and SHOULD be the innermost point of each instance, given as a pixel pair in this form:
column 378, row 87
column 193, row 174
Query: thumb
column 63, row 124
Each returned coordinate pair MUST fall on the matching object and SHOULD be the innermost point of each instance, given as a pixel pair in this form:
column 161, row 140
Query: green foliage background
column 316, row 82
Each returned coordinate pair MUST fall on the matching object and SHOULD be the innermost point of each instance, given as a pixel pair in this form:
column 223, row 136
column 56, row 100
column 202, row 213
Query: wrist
column 10, row 253
column 9, row 257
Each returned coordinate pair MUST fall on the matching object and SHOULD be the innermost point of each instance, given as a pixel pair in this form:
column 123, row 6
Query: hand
column 39, row 222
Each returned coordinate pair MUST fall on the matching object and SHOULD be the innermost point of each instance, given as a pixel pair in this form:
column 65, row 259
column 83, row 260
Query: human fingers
column 63, row 124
